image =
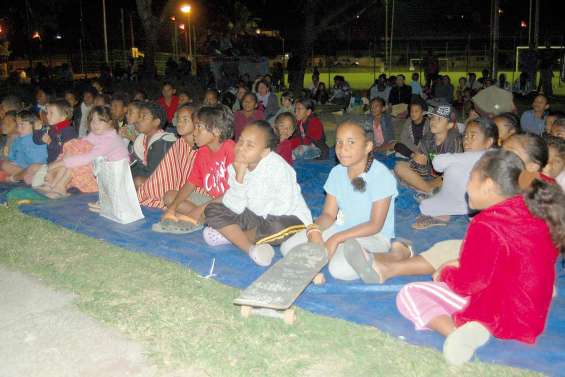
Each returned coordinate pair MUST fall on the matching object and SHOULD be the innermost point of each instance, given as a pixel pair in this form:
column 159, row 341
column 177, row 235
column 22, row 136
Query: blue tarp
column 352, row 301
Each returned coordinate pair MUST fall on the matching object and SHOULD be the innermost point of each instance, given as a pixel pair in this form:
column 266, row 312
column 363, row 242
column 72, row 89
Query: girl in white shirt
column 263, row 205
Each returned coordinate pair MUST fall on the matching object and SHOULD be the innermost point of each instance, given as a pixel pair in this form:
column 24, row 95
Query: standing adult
column 431, row 67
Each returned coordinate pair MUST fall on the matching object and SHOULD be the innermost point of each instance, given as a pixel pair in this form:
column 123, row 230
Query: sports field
column 362, row 79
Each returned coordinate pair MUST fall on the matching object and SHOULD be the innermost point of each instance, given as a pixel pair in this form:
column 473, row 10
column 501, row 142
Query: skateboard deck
column 278, row 288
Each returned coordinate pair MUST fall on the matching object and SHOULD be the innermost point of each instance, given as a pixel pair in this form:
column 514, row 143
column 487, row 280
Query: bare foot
column 383, row 263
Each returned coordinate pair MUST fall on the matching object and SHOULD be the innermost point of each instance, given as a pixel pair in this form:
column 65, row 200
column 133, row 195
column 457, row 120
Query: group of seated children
column 245, row 192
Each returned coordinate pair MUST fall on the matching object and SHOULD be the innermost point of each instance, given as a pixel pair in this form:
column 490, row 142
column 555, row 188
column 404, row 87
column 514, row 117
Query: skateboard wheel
column 245, row 311
column 319, row 279
column 289, row 316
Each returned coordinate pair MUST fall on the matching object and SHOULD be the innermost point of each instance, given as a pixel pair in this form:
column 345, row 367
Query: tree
column 318, row 17
column 151, row 24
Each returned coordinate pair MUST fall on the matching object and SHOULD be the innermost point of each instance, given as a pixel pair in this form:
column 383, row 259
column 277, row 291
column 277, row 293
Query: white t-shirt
column 451, row 199
column 270, row 189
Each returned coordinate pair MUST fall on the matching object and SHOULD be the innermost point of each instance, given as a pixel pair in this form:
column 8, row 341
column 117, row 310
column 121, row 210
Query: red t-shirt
column 284, row 149
column 240, row 121
column 507, row 271
column 308, row 131
column 170, row 109
column 210, row 169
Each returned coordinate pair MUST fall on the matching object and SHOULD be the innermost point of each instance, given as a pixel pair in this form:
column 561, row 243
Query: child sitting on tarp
column 285, row 126
column 480, row 135
column 185, row 208
column 500, row 281
column 152, row 144
column 175, row 168
column 358, row 215
column 74, row 166
column 23, row 152
column 443, row 137
column 263, row 205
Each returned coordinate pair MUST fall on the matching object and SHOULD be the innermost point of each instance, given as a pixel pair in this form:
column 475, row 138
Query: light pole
column 186, row 10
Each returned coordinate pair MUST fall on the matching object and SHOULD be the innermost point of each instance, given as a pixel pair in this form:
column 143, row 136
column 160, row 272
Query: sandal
column 425, row 222
column 94, row 207
column 361, row 262
column 181, row 227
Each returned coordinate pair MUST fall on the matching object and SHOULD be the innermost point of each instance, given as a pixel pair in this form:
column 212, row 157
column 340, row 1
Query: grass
column 362, row 78
column 185, row 321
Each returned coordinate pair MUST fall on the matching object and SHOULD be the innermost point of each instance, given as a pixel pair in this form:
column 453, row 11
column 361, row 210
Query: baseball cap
column 444, row 110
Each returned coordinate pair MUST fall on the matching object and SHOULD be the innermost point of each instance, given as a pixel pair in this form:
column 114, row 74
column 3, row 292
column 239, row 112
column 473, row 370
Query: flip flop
column 425, row 222
column 94, row 207
column 406, row 243
column 361, row 262
column 172, row 227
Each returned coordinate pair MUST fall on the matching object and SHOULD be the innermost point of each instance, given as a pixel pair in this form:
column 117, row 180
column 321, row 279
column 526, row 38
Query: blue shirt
column 416, row 88
column 355, row 206
column 24, row 152
column 532, row 124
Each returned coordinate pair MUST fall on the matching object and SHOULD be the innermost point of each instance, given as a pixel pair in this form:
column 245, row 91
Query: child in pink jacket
column 73, row 168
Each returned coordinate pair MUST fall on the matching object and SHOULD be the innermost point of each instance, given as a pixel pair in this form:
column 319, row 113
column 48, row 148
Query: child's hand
column 240, row 170
column 46, row 139
column 420, row 158
column 331, row 246
column 453, row 263
column 37, row 125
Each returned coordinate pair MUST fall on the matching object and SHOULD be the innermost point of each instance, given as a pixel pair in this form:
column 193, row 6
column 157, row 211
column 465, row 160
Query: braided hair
column 359, row 183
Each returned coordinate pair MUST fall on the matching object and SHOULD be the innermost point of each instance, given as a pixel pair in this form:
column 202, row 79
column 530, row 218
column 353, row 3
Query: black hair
column 547, row 202
column 186, row 106
column 488, row 129
column 26, row 116
column 228, row 99
column 90, row 90
column 559, row 122
column 217, row 118
column 287, row 115
column 272, row 139
column 262, row 81
column 378, row 99
column 121, row 97
column 156, row 112
column 136, row 103
column 416, row 74
column 420, row 102
column 214, row 91
column 544, row 96
column 140, row 91
column 511, row 120
column 535, row 147
column 401, row 75
column 168, row 83
column 250, row 94
column 557, row 143
column 556, row 113
column 359, row 183
column 306, row 102
column 287, row 95
column 504, row 168
column 72, row 92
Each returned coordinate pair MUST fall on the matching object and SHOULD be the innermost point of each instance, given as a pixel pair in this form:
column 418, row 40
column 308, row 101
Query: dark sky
column 422, row 16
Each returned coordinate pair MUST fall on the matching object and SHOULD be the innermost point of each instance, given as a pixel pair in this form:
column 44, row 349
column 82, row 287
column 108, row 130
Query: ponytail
column 548, row 203
column 359, row 183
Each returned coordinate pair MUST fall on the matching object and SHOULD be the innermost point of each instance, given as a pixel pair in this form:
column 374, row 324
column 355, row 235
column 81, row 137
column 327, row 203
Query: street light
column 185, row 8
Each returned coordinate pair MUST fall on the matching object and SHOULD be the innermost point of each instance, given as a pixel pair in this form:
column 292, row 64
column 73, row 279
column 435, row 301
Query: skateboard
column 274, row 292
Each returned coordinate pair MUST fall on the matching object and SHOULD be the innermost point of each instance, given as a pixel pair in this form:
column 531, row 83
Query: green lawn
column 186, row 321
column 362, row 79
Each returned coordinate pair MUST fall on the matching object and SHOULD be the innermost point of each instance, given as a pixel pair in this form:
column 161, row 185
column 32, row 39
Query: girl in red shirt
column 309, row 139
column 502, row 283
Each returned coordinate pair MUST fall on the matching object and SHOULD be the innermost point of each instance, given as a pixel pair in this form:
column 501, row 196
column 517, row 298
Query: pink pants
column 423, row 301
